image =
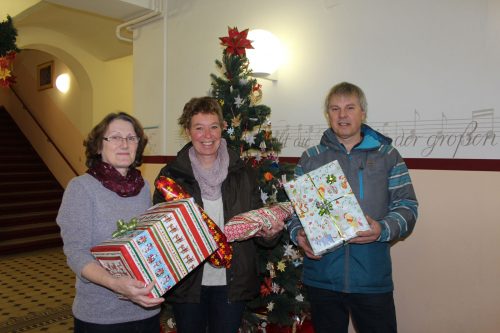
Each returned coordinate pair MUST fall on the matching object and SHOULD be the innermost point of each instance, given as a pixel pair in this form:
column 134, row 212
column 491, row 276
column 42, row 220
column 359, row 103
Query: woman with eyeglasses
column 111, row 189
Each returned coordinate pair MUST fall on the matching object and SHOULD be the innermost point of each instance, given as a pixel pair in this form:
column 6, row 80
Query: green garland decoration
column 8, row 36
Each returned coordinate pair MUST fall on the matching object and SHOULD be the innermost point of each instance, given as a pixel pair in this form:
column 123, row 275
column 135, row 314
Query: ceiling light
column 62, row 83
column 267, row 54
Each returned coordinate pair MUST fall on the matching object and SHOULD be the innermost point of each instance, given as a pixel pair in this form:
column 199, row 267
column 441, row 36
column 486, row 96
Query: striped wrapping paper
column 170, row 240
column 246, row 225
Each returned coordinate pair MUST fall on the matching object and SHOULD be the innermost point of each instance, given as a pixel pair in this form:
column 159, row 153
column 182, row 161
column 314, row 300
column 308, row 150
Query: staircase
column 30, row 196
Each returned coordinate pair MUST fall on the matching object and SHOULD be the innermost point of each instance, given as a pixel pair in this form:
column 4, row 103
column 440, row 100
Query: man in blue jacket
column 356, row 279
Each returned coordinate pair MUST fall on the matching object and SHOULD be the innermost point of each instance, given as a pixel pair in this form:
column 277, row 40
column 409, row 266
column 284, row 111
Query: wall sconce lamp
column 63, row 83
column 267, row 54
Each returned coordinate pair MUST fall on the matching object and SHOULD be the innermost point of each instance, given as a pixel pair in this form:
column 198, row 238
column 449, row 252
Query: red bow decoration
column 236, row 42
column 172, row 191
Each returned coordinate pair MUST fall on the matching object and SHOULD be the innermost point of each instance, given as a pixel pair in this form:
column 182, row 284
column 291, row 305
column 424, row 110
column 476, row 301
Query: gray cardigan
column 88, row 216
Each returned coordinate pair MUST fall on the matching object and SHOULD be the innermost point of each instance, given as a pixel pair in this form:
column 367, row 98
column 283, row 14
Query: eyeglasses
column 116, row 140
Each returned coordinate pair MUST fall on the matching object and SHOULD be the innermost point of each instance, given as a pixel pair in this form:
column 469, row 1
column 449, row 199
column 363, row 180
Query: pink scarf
column 210, row 180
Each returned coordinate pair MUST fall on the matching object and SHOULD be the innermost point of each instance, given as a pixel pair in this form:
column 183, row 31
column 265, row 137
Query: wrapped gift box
column 170, row 240
column 246, row 225
column 326, row 207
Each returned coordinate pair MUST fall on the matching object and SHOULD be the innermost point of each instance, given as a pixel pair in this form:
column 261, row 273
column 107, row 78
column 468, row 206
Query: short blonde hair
column 347, row 89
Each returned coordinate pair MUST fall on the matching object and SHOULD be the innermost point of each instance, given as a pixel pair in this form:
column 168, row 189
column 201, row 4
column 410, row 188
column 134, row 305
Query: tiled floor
column 36, row 292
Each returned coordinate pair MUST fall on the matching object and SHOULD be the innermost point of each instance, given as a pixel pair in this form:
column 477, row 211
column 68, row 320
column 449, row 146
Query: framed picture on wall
column 45, row 75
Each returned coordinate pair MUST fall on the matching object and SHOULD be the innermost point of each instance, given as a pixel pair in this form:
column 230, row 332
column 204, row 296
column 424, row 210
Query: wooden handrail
column 25, row 107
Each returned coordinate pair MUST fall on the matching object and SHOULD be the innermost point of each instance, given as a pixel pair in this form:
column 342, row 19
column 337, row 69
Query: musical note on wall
column 444, row 123
column 484, row 117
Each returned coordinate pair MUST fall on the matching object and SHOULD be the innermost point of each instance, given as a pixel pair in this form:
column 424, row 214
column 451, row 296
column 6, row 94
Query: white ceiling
column 91, row 22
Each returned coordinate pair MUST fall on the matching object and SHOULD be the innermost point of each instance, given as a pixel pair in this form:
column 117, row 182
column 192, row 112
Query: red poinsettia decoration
column 236, row 42
column 6, row 76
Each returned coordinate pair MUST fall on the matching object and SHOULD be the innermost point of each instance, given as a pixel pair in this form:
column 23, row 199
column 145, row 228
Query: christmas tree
column 281, row 300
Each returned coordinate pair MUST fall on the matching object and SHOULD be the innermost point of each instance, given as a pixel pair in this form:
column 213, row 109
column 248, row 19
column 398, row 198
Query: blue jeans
column 371, row 313
column 150, row 325
column 214, row 313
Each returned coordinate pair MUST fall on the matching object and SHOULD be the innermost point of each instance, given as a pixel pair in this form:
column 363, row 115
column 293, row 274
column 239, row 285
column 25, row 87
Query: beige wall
column 446, row 272
column 69, row 103
column 105, row 86
column 112, row 88
column 150, row 171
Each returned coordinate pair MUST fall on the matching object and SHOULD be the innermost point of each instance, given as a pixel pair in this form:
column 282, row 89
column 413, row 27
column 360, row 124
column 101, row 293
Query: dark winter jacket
column 240, row 193
column 380, row 180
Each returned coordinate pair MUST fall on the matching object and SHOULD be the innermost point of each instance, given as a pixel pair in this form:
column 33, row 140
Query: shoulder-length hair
column 94, row 141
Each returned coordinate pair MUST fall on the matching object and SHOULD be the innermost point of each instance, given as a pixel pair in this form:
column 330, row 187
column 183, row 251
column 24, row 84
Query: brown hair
column 93, row 142
column 200, row 105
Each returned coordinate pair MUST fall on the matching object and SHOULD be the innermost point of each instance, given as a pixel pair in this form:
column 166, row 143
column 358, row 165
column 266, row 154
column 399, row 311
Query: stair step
column 11, row 166
column 30, row 243
column 8, row 143
column 9, row 220
column 24, row 176
column 18, row 240
column 5, row 126
column 28, row 230
column 31, row 195
column 12, row 137
column 29, row 206
column 29, row 185
column 20, row 157
column 17, row 149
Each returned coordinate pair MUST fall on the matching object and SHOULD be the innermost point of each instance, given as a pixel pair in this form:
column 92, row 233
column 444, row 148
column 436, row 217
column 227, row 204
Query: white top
column 213, row 276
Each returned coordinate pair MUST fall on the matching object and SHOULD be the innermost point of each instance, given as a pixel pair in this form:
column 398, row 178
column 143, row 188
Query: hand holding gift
column 172, row 191
column 159, row 247
column 368, row 236
column 328, row 209
column 265, row 222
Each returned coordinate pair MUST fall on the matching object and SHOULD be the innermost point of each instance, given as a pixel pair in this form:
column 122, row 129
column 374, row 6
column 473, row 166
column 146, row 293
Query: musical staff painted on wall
column 476, row 136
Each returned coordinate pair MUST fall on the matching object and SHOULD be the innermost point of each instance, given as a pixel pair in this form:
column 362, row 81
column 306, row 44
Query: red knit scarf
column 125, row 186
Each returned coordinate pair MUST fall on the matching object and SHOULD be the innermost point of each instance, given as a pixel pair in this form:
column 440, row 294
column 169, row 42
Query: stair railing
column 25, row 107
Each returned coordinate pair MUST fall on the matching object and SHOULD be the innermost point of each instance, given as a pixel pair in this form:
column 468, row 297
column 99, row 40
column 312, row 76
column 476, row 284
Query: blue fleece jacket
column 380, row 180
